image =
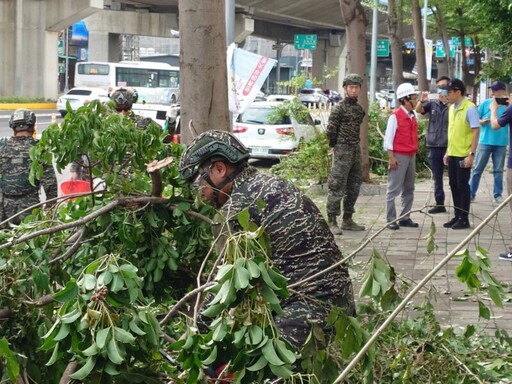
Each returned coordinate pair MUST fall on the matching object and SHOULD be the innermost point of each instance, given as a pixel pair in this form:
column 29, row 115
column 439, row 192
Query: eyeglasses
column 201, row 174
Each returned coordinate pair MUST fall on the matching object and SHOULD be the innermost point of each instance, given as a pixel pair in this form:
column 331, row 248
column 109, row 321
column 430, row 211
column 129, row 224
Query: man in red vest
column 401, row 144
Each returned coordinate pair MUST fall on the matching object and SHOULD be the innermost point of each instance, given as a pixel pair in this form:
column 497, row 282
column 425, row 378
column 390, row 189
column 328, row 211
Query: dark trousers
column 459, row 184
column 435, row 158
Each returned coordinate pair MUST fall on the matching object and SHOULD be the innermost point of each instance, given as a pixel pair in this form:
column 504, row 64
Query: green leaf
column 280, row 371
column 258, row 365
column 70, row 317
column 91, row 351
column 69, row 293
column 224, row 272
column 253, row 269
column 123, row 336
column 13, row 368
column 243, row 218
column 113, row 352
column 117, row 283
column 89, row 282
column 63, row 332
column 255, row 334
column 53, row 357
column 102, row 336
column 483, row 311
column 83, row 372
column 269, row 295
column 241, row 278
column 213, row 310
column 270, row 353
column 111, row 369
column 266, row 277
column 283, row 352
column 210, row 359
column 496, row 294
column 135, row 328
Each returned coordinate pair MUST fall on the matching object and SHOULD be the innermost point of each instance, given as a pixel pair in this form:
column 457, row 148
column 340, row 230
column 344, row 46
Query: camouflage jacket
column 302, row 244
column 15, row 169
column 345, row 122
column 140, row 121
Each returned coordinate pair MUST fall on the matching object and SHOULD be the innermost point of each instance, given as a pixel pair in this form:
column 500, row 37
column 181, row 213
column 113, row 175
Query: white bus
column 157, row 84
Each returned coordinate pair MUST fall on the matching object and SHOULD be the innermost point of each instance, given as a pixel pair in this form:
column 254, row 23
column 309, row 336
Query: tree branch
column 183, row 300
column 70, row 369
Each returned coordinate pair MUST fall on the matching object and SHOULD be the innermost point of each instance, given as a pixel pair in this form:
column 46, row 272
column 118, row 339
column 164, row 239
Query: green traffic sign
column 383, row 48
column 468, row 41
column 305, row 42
column 440, row 52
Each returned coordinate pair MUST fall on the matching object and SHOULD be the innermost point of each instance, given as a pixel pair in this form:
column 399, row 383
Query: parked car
column 333, row 96
column 312, row 96
column 80, row 96
column 270, row 135
column 280, row 97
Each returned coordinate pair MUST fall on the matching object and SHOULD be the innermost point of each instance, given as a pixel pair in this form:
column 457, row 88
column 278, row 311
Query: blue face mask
column 442, row 91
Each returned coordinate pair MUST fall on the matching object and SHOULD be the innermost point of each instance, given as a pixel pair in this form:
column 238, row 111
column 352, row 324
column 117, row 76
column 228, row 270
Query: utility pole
column 373, row 57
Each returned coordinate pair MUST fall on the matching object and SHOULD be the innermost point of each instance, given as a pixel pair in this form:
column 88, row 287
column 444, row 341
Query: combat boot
column 334, row 225
column 349, row 225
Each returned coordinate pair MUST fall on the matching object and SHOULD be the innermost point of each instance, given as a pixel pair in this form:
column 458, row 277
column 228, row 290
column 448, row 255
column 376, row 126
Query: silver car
column 312, row 96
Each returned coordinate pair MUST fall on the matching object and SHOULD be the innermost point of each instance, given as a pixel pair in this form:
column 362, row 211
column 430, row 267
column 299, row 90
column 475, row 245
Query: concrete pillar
column 105, row 27
column 332, row 53
column 244, row 27
column 29, row 30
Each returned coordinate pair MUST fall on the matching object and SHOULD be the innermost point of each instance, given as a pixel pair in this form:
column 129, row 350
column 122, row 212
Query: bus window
column 93, row 69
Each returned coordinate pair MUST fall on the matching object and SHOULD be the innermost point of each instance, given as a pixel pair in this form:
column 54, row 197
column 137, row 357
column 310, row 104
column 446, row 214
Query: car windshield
column 307, row 91
column 263, row 116
column 80, row 92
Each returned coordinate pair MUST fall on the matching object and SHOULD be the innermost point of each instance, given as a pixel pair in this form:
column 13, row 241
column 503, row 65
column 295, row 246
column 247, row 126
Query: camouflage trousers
column 11, row 205
column 345, row 179
column 295, row 324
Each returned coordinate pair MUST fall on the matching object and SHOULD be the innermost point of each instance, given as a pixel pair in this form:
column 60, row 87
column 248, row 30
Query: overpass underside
column 30, row 29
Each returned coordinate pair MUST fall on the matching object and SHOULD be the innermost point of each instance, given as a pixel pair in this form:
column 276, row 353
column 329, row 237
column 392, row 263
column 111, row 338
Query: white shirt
column 392, row 127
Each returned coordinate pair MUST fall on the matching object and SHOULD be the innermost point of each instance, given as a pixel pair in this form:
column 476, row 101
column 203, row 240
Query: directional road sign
column 305, row 42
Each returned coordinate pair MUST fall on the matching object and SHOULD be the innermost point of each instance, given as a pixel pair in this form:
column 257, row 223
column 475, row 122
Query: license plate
column 259, row 150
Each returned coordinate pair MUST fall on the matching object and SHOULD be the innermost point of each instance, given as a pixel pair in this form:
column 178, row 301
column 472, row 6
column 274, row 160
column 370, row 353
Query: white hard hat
column 404, row 90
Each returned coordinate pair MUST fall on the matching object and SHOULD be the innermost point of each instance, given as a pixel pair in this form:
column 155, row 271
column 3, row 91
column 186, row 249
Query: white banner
column 428, row 57
column 246, row 74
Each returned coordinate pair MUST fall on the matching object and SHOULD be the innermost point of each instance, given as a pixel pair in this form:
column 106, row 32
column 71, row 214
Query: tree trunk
column 441, row 26
column 203, row 78
column 355, row 20
column 395, row 42
column 421, row 64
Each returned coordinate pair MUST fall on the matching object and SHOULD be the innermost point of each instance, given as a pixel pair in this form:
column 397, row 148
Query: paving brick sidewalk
column 406, row 248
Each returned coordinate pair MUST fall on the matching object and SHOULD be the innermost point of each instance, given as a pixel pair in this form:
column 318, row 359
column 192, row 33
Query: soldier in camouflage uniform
column 343, row 136
column 16, row 191
column 124, row 98
column 302, row 244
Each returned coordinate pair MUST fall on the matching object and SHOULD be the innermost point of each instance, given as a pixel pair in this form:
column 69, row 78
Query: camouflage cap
column 124, row 97
column 22, row 119
column 211, row 145
column 352, row 79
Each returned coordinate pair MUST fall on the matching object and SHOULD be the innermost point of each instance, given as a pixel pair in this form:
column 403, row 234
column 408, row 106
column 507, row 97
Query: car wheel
column 63, row 113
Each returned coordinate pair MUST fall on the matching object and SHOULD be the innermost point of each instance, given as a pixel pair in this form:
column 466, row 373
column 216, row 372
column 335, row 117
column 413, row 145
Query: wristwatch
column 471, row 154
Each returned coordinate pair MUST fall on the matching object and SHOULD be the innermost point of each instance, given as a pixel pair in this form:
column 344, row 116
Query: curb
column 12, row 106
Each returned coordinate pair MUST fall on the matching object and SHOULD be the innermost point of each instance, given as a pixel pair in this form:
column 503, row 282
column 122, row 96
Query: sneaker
column 506, row 256
column 437, row 209
column 393, row 226
column 498, row 199
column 461, row 224
column 473, row 198
column 450, row 223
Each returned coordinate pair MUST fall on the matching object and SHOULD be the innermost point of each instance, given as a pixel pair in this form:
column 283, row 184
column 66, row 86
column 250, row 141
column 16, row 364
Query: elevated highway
column 29, row 63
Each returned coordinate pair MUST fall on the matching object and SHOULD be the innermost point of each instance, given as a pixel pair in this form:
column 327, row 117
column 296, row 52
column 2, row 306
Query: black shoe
column 393, row 226
column 506, row 256
column 450, row 223
column 461, row 224
column 437, row 209
column 408, row 223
